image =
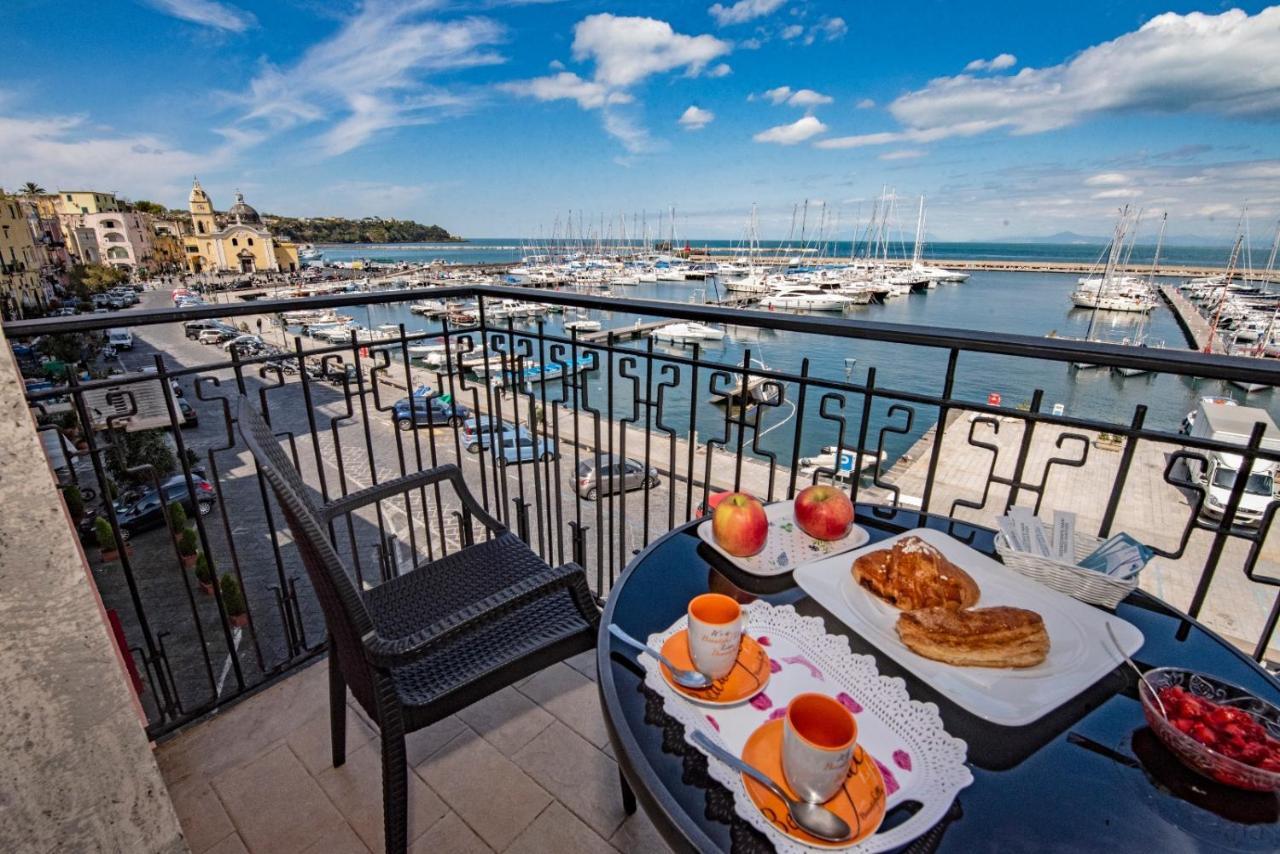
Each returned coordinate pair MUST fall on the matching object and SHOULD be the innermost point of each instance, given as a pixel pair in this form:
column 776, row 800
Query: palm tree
column 31, row 188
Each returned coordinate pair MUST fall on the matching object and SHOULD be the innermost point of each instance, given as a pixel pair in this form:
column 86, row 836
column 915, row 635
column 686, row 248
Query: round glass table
column 1087, row 776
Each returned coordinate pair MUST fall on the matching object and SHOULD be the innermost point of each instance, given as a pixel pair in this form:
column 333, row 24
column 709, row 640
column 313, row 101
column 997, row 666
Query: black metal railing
column 692, row 423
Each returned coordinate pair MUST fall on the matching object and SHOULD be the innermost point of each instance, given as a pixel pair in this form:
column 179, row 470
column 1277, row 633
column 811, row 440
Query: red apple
column 824, row 512
column 740, row 525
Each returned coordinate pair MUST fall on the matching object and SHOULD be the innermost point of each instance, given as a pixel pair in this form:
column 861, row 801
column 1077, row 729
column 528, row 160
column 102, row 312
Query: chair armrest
column 401, row 485
column 391, row 652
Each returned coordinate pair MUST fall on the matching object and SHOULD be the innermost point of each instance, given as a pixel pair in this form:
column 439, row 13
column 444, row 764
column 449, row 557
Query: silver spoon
column 685, row 678
column 812, row 818
column 1141, row 675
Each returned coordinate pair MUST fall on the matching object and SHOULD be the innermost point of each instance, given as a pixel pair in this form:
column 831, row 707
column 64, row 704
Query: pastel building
column 21, row 261
column 239, row 244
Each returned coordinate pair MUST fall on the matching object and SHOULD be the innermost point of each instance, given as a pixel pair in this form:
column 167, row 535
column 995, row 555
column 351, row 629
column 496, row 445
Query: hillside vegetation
column 368, row 230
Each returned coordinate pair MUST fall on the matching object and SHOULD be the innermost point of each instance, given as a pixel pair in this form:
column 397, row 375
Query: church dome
column 243, row 213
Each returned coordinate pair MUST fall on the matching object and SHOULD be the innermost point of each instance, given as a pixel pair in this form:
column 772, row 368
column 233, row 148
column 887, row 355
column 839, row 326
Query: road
column 336, row 455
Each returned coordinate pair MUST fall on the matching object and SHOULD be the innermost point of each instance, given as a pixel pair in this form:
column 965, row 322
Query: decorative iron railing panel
column 689, row 423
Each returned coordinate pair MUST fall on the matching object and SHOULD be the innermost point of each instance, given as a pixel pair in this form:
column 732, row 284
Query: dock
column 625, row 333
column 1199, row 334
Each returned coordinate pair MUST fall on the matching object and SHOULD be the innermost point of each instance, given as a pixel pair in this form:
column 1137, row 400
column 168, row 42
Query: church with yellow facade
column 239, row 243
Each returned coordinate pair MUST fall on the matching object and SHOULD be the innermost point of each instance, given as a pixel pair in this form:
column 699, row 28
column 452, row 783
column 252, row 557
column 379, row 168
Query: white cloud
column 634, row 137
column 808, row 98
column 589, row 94
column 696, row 118
column 865, row 104
column 627, row 50
column 828, row 29
column 777, row 95
column 555, row 65
column 743, row 11
column 1119, row 193
column 65, row 151
column 208, row 13
column 998, row 63
column 798, row 131
column 914, row 135
column 1226, row 64
column 794, row 31
column 902, row 154
column 1106, row 179
column 371, row 74
column 805, row 98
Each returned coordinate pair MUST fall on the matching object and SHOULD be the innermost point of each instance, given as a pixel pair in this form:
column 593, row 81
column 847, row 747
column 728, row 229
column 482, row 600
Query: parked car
column 520, row 447
column 193, row 328
column 216, row 335
column 188, row 412
column 121, row 339
column 614, row 475
column 479, row 431
column 428, row 412
column 146, row 510
column 334, row 373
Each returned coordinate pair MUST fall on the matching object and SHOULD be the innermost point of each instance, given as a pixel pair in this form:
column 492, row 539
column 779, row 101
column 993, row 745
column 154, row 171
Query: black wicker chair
column 427, row 643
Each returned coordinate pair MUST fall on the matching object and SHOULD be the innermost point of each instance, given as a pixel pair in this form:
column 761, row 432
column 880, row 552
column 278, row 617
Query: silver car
column 615, row 475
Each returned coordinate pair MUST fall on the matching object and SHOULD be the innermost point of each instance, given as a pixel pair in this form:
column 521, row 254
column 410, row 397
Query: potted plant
column 108, row 550
column 178, row 519
column 204, row 574
column 233, row 600
column 187, row 548
column 75, row 501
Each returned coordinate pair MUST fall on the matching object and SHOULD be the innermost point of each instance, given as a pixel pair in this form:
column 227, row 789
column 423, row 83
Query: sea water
column 1033, row 304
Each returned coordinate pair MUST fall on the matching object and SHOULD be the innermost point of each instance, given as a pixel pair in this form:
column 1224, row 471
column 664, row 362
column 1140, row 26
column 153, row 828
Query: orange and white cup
column 715, row 633
column 818, row 737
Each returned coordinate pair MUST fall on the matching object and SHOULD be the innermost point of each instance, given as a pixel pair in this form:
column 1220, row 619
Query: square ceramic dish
column 1080, row 652
column 787, row 547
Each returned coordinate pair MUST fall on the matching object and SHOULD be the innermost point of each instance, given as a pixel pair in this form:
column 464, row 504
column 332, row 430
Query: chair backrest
column 345, row 615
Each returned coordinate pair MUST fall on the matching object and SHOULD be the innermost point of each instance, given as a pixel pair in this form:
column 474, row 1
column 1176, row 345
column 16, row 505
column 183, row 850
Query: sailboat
column 1139, row 338
column 1265, row 338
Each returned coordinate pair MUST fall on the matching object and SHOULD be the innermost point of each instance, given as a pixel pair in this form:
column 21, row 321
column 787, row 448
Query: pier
column 1199, row 334
column 625, row 333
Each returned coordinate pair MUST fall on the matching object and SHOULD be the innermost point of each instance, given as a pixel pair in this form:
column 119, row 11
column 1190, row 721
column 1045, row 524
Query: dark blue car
column 428, row 412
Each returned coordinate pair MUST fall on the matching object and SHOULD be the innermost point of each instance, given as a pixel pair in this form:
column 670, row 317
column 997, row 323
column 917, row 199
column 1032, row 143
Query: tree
column 68, row 347
column 144, row 206
column 139, row 448
column 31, row 188
column 89, row 279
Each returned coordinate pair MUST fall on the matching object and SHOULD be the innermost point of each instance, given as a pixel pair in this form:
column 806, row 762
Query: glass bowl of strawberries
column 1215, row 728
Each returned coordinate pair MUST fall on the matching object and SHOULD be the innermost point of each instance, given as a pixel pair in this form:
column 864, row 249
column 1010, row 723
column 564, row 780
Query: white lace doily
column 920, row 761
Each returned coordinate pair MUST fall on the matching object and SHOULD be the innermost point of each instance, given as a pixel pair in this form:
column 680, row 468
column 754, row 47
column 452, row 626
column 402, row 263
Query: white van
column 1234, row 424
column 121, row 339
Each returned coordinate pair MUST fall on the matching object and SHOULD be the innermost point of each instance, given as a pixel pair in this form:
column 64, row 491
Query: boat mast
column 917, row 255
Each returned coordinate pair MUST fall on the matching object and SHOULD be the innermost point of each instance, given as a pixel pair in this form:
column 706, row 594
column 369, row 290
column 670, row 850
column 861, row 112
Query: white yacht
column 688, row 331
column 582, row 325
column 805, row 297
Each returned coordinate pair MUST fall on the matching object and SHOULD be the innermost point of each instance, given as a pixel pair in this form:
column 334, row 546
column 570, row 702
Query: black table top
column 1087, row 776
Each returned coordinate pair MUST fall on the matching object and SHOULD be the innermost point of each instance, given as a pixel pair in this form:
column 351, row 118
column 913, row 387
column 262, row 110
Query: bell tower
column 202, row 221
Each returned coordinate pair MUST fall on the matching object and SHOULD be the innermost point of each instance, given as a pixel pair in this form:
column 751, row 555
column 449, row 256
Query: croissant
column 913, row 574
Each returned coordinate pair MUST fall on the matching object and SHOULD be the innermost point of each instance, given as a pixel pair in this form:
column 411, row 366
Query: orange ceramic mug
column 818, row 737
column 715, row 633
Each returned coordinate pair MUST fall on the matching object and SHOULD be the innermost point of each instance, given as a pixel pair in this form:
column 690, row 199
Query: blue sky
column 495, row 118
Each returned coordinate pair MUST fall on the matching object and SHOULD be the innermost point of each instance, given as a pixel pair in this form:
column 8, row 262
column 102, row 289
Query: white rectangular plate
column 1080, row 652
column 787, row 547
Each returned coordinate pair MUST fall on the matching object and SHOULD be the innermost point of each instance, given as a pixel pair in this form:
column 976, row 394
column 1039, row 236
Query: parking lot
column 338, row 455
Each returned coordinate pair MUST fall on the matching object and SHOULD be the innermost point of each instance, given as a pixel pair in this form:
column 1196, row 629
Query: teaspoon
column 812, row 818
column 685, row 678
